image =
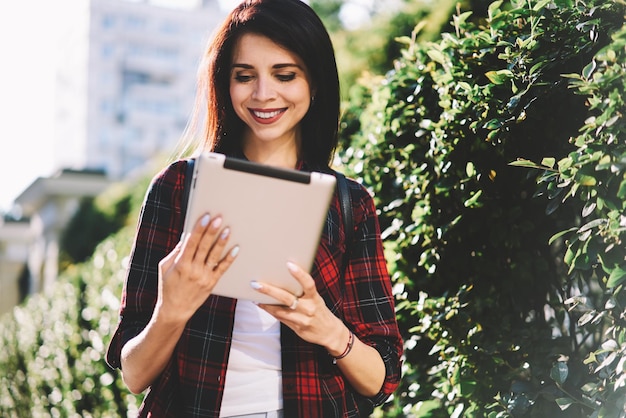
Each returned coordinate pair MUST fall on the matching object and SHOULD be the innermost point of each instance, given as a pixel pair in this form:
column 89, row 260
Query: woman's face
column 269, row 90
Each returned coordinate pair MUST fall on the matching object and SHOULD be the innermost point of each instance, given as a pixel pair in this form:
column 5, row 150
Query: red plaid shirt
column 193, row 381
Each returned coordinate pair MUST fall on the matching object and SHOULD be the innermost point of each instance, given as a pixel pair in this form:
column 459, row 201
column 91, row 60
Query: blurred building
column 16, row 238
column 127, row 79
column 126, row 84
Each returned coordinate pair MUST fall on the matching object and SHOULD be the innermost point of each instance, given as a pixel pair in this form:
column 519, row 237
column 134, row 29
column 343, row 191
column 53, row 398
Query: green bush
column 483, row 276
column 53, row 346
column 595, row 174
column 95, row 219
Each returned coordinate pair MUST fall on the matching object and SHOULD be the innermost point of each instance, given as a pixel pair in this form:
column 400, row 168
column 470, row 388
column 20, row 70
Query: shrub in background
column 482, row 274
column 95, row 219
column 594, row 175
column 53, row 346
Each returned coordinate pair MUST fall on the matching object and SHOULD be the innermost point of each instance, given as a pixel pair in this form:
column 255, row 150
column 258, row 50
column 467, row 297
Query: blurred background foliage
column 493, row 138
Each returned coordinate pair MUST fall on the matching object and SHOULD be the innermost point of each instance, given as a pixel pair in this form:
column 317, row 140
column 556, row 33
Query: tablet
column 275, row 215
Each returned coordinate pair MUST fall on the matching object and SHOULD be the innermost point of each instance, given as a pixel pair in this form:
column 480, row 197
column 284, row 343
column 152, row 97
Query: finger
column 304, row 278
column 169, row 260
column 226, row 262
column 284, row 298
column 213, row 243
column 192, row 239
column 207, row 242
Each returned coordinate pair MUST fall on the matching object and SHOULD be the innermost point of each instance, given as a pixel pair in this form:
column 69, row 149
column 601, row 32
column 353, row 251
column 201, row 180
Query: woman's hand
column 187, row 276
column 189, row 273
column 307, row 315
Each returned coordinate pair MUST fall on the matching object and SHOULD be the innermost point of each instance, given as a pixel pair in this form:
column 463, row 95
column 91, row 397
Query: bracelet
column 347, row 350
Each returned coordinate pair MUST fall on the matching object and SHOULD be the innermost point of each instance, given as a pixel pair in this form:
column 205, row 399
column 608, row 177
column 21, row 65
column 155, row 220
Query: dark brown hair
column 293, row 25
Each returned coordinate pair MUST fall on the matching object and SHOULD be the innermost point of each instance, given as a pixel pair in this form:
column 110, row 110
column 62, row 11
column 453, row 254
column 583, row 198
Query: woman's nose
column 264, row 89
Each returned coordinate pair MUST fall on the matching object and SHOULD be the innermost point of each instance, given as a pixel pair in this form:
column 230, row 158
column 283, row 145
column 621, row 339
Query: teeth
column 266, row 115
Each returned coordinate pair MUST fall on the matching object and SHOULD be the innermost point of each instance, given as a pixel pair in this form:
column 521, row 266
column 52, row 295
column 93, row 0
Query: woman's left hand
column 307, row 315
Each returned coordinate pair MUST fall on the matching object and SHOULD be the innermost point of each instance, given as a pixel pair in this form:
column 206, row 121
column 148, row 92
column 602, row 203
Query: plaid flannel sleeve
column 369, row 304
column 158, row 232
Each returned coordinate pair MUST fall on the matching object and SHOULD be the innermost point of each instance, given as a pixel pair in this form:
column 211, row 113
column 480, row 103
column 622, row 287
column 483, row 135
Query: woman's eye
column 286, row 77
column 242, row 78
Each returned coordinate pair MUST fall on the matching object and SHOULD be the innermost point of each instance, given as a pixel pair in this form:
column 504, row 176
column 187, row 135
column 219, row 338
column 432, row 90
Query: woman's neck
column 283, row 155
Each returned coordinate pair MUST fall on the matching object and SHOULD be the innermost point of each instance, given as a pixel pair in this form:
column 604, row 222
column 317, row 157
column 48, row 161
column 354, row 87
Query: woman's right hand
column 189, row 273
column 187, row 276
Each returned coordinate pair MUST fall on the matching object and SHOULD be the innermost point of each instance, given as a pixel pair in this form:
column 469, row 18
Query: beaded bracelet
column 347, row 350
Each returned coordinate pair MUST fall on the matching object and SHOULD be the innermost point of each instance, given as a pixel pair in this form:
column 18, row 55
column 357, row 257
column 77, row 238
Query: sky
column 26, row 93
column 28, row 31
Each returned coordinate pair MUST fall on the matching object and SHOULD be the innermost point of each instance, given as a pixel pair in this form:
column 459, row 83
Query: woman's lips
column 266, row 116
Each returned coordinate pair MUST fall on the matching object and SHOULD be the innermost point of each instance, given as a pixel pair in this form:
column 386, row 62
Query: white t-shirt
column 253, row 376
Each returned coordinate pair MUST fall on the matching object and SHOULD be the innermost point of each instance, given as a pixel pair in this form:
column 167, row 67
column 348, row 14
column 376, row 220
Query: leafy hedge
column 53, row 346
column 509, row 280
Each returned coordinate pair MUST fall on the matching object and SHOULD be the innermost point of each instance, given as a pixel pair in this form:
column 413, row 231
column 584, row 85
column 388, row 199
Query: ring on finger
column 294, row 305
column 212, row 265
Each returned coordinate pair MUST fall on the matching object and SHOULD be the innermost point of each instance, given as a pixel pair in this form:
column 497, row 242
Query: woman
column 272, row 96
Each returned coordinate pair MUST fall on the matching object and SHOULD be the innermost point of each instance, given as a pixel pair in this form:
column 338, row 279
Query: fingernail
column 256, row 285
column 291, row 266
column 234, row 252
column 205, row 220
column 217, row 223
column 225, row 233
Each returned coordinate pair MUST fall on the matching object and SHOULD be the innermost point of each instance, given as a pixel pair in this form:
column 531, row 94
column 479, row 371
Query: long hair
column 293, row 25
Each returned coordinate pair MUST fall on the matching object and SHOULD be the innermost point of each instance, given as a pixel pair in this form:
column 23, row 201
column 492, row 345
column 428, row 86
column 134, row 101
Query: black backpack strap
column 345, row 202
column 186, row 190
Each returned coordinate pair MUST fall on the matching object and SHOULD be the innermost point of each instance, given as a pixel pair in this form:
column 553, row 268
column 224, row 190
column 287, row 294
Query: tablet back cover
column 274, row 215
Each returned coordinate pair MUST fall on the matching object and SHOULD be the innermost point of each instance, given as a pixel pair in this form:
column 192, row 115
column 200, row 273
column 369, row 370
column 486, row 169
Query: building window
column 108, row 21
column 135, row 22
column 169, row 28
column 107, row 50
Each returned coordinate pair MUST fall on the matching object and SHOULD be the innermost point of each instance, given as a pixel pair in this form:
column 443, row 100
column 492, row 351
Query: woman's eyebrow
column 276, row 66
column 287, row 65
column 244, row 66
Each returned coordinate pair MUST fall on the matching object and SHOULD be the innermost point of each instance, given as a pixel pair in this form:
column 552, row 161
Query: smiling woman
column 271, row 94
column 268, row 93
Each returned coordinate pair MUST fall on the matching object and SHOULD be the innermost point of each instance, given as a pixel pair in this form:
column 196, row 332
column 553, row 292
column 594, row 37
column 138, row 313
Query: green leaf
column 559, row 372
column 467, row 387
column 436, row 56
column 589, row 208
column 470, row 169
column 622, row 190
column 617, row 277
column 548, row 162
column 524, row 163
column 569, row 256
column 589, row 69
column 587, row 180
column 560, row 234
column 564, row 403
column 493, row 124
column 590, row 225
column 586, row 318
column 495, row 6
column 499, row 77
column 472, row 200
